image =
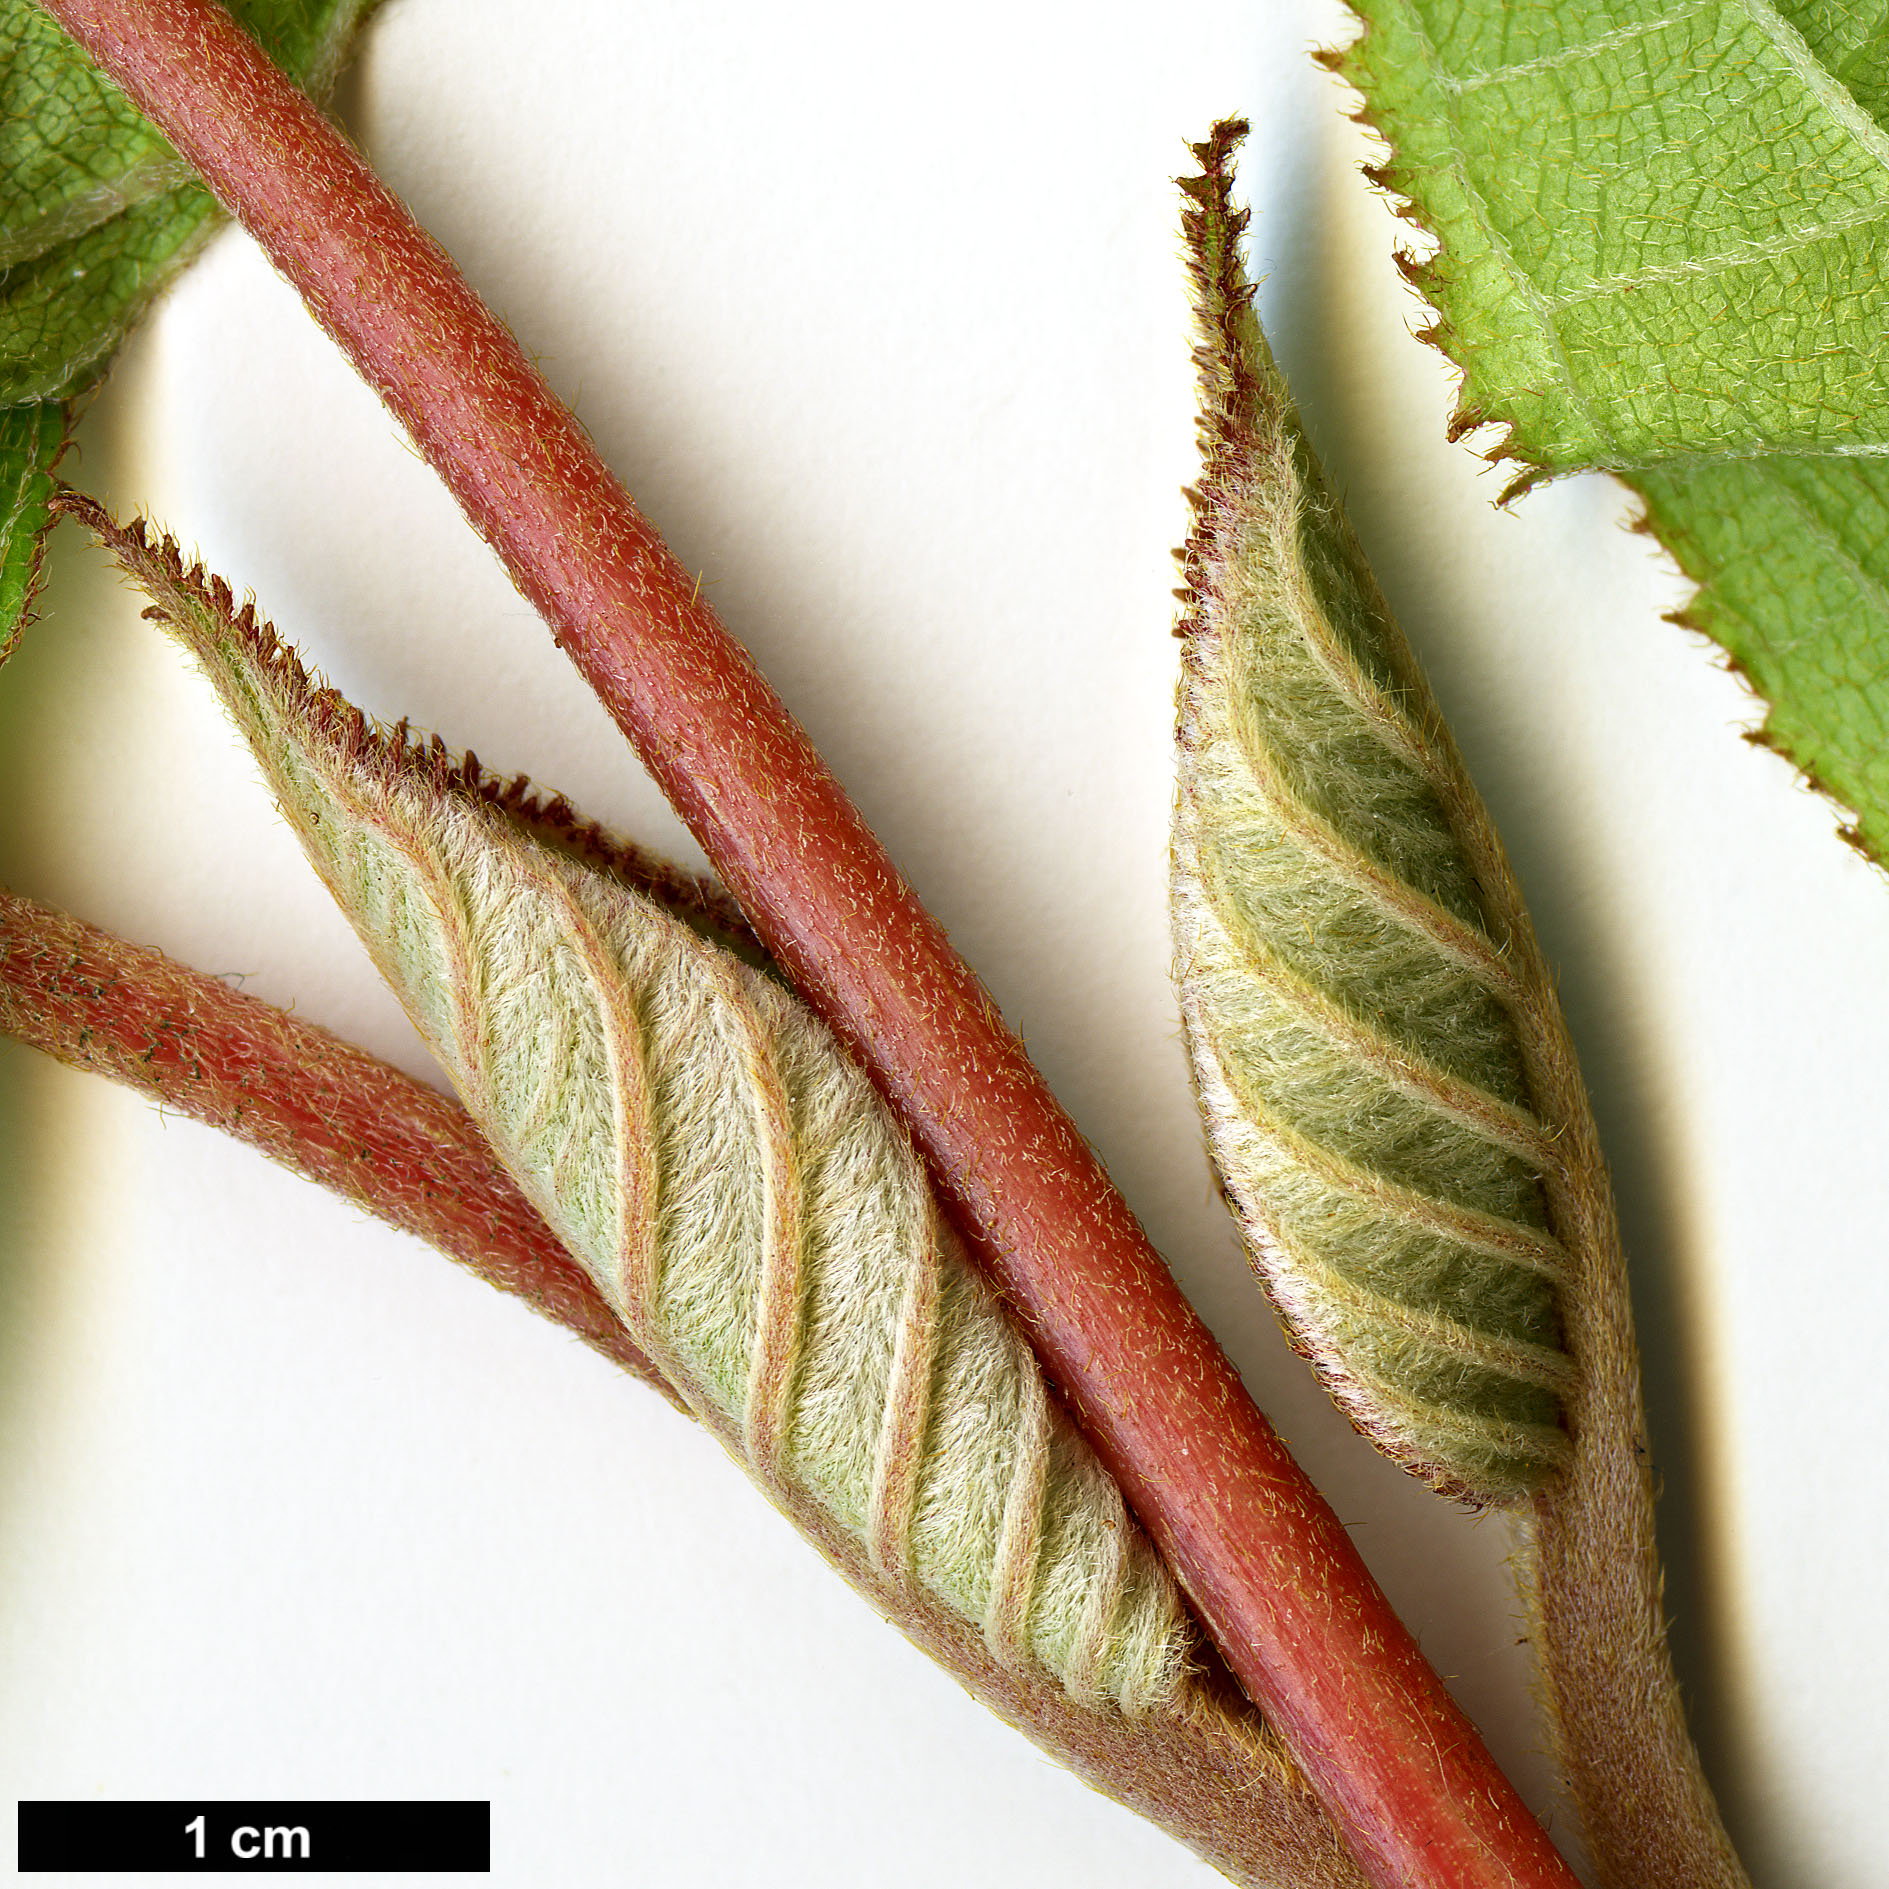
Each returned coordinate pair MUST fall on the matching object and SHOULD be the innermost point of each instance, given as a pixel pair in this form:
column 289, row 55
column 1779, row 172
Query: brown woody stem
column 317, row 1105
column 1270, row 1571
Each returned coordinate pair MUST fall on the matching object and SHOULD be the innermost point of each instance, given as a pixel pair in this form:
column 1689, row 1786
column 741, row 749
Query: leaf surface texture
column 31, row 439
column 1663, row 230
column 728, row 1177
column 1349, row 953
column 97, row 214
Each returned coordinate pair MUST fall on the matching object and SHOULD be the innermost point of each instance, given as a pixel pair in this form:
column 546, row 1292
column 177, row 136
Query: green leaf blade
column 1793, row 556
column 73, row 149
column 96, row 210
column 1627, row 272
column 31, row 439
column 97, row 214
column 1664, row 251
column 63, row 314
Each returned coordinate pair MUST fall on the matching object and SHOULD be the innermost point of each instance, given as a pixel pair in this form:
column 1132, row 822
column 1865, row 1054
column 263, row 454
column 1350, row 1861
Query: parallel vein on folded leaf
column 713, row 1158
column 1346, row 980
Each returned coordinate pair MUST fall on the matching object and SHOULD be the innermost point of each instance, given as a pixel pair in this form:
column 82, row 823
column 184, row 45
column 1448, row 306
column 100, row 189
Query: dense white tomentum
column 725, row 1173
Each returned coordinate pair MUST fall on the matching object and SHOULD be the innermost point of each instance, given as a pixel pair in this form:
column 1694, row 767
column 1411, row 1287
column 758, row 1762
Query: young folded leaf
column 1390, row 1092
column 752, row 1212
column 727, row 1177
column 1347, row 970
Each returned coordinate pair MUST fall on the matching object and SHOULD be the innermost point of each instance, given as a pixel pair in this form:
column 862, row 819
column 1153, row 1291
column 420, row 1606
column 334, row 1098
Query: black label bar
column 226, row 1838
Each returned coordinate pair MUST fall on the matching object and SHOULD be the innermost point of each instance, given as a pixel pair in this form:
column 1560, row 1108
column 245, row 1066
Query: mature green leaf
column 30, row 441
column 1792, row 554
column 63, row 313
column 74, row 151
column 1664, row 232
column 97, row 213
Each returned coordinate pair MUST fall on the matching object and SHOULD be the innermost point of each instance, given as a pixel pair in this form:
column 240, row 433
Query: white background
column 878, row 312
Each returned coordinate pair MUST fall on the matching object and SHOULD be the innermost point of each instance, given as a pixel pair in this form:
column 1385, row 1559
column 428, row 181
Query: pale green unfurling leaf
column 1390, row 1092
column 721, row 1168
column 1345, row 964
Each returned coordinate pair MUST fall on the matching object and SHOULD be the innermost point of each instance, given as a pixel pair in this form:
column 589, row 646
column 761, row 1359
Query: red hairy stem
column 1270, row 1571
column 318, row 1106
